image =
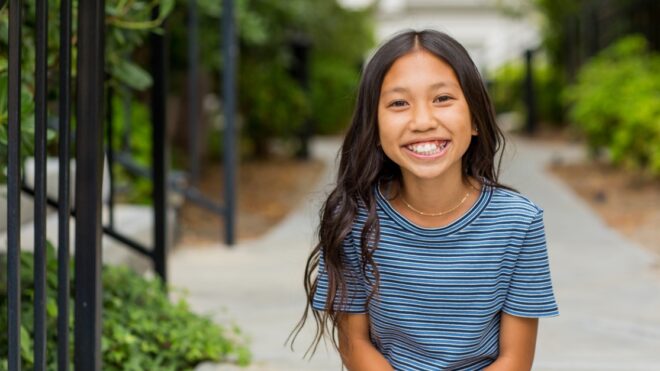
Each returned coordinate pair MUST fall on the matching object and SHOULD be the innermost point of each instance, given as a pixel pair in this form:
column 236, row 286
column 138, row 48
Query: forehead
column 419, row 68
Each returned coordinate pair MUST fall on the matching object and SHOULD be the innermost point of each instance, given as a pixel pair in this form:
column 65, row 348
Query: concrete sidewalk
column 608, row 289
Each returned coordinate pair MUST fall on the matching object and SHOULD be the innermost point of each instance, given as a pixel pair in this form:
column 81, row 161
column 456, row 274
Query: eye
column 442, row 99
column 398, row 104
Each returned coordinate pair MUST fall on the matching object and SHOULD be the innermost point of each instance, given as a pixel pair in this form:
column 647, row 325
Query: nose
column 422, row 118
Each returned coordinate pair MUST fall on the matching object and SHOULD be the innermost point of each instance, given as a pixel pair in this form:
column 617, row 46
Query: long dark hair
column 363, row 163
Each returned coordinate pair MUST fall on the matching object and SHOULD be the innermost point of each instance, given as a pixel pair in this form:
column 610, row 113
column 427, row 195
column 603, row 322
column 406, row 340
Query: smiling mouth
column 428, row 148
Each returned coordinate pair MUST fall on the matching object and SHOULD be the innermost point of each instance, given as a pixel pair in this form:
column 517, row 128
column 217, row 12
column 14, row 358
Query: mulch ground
column 627, row 200
column 267, row 191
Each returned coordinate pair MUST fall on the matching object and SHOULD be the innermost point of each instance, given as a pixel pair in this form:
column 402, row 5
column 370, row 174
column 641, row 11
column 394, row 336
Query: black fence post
column 300, row 71
column 14, row 188
column 64, row 207
column 530, row 98
column 159, row 161
column 193, row 96
column 229, row 54
column 89, row 178
column 41, row 39
column 110, row 153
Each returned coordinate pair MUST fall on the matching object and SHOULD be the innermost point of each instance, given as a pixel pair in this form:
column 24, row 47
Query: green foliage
column 137, row 117
column 508, row 90
column 128, row 25
column 271, row 102
column 555, row 33
column 616, row 102
column 507, row 87
column 333, row 88
column 142, row 328
column 277, row 108
column 337, row 55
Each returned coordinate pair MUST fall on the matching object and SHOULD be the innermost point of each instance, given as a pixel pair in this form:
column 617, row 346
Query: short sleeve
column 356, row 293
column 530, row 292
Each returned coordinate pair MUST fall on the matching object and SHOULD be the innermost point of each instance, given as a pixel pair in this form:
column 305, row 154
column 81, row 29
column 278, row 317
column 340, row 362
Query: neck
column 434, row 195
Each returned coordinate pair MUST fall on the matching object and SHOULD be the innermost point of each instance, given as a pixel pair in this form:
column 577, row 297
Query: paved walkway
column 608, row 288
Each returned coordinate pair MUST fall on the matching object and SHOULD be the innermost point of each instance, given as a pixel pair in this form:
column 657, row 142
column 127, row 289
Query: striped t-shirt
column 442, row 289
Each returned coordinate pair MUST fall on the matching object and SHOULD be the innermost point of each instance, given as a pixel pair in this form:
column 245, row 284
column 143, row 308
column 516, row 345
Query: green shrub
column 616, row 103
column 271, row 103
column 142, row 328
column 128, row 25
column 136, row 189
column 508, row 90
column 332, row 81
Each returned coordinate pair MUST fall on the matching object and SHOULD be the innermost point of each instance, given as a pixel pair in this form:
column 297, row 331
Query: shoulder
column 509, row 202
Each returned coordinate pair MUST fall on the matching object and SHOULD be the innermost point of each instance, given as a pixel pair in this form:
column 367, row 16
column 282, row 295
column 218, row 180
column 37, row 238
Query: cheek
column 460, row 119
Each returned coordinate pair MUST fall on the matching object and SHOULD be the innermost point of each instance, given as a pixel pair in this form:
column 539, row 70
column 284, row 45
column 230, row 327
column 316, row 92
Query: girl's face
column 424, row 120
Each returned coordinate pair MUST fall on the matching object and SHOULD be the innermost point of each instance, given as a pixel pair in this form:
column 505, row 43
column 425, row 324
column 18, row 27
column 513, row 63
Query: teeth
column 428, row 148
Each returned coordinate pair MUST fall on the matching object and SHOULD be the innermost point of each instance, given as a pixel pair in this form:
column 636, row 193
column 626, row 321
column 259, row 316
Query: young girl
column 425, row 261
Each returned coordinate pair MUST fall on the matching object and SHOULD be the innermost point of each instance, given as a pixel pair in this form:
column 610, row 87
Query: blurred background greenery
column 591, row 74
column 273, row 105
column 597, row 75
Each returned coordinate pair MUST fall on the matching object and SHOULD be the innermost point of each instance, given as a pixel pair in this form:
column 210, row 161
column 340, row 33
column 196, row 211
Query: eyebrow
column 435, row 86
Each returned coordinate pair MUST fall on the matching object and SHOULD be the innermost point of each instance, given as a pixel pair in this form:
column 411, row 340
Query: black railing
column 64, row 209
column 89, row 179
column 188, row 186
column 90, row 107
column 14, row 186
column 597, row 23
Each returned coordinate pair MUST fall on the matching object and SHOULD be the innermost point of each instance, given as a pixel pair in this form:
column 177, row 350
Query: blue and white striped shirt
column 441, row 290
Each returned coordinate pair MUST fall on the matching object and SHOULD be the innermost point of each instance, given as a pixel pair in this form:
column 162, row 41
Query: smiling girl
column 425, row 261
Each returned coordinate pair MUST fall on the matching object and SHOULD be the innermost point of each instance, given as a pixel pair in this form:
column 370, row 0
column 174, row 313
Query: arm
column 356, row 350
column 517, row 344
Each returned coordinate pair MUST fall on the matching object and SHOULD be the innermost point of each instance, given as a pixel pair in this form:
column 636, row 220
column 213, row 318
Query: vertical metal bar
column 229, row 54
column 41, row 39
column 111, row 157
column 158, row 149
column 13, row 188
column 301, row 46
column 193, row 97
column 127, row 121
column 64, row 206
column 89, row 176
column 530, row 98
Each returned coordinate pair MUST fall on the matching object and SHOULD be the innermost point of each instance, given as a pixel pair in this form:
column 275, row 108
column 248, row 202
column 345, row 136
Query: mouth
column 429, row 148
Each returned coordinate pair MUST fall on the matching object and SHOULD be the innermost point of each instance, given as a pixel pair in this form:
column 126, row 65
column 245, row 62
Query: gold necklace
column 442, row 212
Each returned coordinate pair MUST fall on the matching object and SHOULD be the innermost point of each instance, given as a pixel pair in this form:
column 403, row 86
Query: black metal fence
column 599, row 22
column 89, row 149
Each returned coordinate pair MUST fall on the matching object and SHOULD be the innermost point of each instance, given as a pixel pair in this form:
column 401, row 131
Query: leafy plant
column 616, row 102
column 142, row 328
column 135, row 115
column 508, row 89
column 272, row 104
column 128, row 24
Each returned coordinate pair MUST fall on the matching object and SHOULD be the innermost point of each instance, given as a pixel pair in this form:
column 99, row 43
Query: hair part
column 363, row 163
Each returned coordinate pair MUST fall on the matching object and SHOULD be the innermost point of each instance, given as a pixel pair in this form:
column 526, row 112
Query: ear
column 475, row 131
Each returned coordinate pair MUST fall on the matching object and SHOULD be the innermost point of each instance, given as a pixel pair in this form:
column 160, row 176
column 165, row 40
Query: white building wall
column 490, row 36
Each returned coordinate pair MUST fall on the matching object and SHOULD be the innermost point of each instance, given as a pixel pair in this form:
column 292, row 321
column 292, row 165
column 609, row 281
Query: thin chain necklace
column 442, row 212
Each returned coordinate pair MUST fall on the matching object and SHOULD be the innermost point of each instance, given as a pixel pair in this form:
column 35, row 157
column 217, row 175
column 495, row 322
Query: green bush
column 616, row 103
column 271, row 103
column 142, row 328
column 128, row 25
column 136, row 189
column 508, row 88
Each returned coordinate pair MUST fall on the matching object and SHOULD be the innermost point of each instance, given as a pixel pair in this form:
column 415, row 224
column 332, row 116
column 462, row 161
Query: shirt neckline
column 465, row 219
